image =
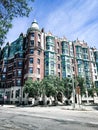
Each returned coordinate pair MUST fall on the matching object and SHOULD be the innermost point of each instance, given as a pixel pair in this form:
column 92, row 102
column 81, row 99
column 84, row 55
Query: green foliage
column 96, row 90
column 90, row 92
column 47, row 86
column 68, row 85
column 10, row 9
column 50, row 85
column 28, row 85
column 80, row 82
column 32, row 88
column 35, row 91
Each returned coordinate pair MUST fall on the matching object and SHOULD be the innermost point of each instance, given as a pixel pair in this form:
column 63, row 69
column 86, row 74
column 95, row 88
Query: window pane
column 38, row 71
column 31, row 51
column 19, row 72
column 30, row 70
column 38, row 61
column 32, row 42
column 20, row 64
column 31, row 60
column 38, row 52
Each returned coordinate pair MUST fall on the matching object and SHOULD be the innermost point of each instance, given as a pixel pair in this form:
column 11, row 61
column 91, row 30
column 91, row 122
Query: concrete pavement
column 87, row 107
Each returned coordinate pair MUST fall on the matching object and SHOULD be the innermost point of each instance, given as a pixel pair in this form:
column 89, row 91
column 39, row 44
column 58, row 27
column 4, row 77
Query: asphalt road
column 47, row 118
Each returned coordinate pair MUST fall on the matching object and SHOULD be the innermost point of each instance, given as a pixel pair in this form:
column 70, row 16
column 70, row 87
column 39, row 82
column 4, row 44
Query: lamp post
column 73, row 92
column 73, row 87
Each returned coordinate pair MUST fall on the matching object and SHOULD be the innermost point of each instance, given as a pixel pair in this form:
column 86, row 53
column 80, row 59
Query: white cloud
column 80, row 20
column 72, row 18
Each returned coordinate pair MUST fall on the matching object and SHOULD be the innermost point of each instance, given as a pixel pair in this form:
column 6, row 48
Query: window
column 17, row 93
column 18, row 82
column 63, row 51
column 32, row 43
column 14, row 73
column 3, row 77
column 20, row 48
column 10, row 68
column 32, row 34
column 52, row 63
column 12, row 93
column 46, row 72
column 73, row 69
column 31, row 60
column 47, row 63
column 31, row 51
column 59, row 74
column 38, row 70
column 52, row 72
column 19, row 73
column 51, row 55
column 63, row 74
column 4, row 70
column 38, row 79
column 47, row 47
column 58, row 66
column 9, row 76
column 20, row 63
column 58, row 50
column 63, row 67
column 39, row 44
column 95, row 70
column 39, row 36
column 95, row 77
column 30, row 70
column 38, row 61
column 58, row 58
column 58, row 44
column 20, row 55
column 38, row 52
column 46, row 55
column 14, row 64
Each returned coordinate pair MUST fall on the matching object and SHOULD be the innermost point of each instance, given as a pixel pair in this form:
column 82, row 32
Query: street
column 47, row 118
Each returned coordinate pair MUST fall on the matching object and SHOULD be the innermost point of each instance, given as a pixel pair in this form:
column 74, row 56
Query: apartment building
column 38, row 54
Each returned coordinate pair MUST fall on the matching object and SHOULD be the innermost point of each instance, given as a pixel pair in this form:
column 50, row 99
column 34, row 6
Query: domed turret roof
column 34, row 26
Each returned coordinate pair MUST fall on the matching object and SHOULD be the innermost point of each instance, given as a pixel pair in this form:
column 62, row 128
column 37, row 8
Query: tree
column 28, row 86
column 68, row 87
column 58, row 87
column 35, row 89
column 90, row 92
column 80, row 81
column 47, row 88
column 32, row 88
column 51, row 86
column 9, row 9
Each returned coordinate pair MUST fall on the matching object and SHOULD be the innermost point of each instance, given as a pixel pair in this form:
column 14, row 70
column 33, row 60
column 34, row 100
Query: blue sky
column 70, row 18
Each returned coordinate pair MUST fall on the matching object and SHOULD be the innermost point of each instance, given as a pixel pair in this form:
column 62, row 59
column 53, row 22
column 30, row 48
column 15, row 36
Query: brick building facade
column 38, row 54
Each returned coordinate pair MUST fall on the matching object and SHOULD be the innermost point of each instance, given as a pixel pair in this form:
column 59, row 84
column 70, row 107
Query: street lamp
column 73, row 87
column 73, row 92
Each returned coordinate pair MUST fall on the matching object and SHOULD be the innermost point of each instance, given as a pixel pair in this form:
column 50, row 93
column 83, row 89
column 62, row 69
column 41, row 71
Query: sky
column 64, row 18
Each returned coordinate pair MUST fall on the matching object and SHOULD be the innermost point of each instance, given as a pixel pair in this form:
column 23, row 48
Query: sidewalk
column 69, row 107
column 81, row 107
column 8, row 106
